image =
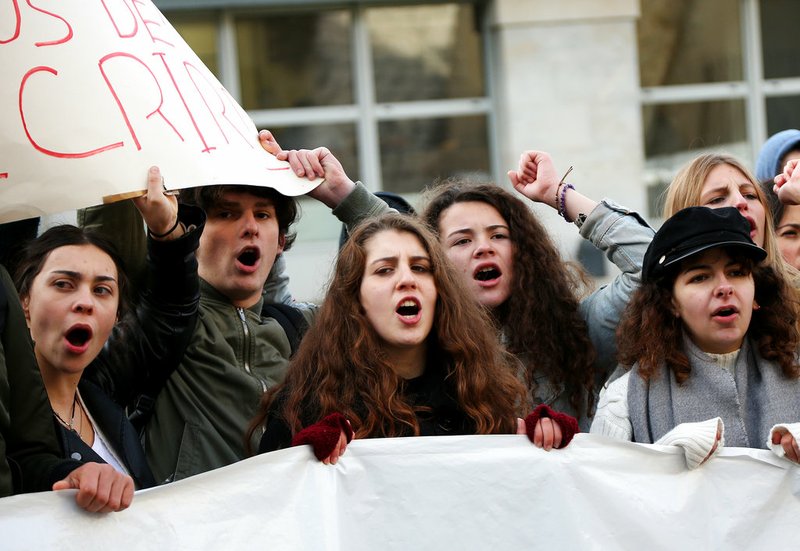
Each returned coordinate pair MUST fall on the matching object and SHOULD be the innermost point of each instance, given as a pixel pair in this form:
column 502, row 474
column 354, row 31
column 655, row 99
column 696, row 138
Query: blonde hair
column 686, row 188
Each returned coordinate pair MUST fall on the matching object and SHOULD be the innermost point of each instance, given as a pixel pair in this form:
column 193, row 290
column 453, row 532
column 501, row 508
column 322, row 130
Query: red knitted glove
column 567, row 423
column 324, row 435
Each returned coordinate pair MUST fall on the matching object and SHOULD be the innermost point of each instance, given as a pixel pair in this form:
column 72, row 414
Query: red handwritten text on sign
column 96, row 91
column 173, row 93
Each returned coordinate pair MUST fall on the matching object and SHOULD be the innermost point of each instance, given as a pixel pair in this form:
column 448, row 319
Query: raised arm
column 620, row 233
column 536, row 178
column 787, row 183
column 144, row 350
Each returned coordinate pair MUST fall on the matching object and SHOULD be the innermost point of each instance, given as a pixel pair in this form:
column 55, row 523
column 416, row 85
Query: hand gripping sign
column 93, row 93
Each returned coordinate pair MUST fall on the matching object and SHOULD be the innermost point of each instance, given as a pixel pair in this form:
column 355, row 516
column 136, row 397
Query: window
column 425, row 53
column 199, row 30
column 715, row 74
column 416, row 152
column 398, row 93
column 689, row 42
column 687, row 127
column 293, row 61
column 781, row 63
column 779, row 38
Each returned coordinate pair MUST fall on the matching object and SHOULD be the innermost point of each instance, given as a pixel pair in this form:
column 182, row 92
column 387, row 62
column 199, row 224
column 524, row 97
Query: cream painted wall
column 568, row 83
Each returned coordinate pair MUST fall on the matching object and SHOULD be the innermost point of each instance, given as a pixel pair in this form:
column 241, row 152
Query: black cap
column 694, row 230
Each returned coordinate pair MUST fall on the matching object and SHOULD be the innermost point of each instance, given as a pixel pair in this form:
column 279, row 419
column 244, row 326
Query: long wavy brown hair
column 650, row 334
column 540, row 320
column 341, row 366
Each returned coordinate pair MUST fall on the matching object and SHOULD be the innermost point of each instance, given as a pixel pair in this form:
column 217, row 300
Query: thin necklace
column 71, row 424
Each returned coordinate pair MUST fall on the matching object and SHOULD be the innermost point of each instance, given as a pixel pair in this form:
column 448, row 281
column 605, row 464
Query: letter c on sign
column 34, row 143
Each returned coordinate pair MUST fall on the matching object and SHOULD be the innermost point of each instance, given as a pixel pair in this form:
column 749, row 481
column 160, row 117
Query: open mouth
column 249, row 257
column 408, row 308
column 487, row 273
column 752, row 225
column 725, row 311
column 79, row 336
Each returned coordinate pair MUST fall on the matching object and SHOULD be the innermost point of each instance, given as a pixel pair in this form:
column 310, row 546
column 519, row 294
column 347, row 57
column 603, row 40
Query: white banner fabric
column 470, row 492
column 95, row 92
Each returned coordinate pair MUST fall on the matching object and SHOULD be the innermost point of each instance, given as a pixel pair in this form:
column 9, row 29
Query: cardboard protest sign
column 94, row 93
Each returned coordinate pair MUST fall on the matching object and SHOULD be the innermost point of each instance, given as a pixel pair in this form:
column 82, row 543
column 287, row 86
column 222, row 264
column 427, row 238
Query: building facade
column 406, row 92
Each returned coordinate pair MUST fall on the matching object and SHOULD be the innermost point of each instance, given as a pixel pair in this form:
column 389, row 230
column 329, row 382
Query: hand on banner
column 548, row 428
column 782, row 437
column 101, row 488
column 699, row 440
column 328, row 438
column 158, row 209
column 787, row 183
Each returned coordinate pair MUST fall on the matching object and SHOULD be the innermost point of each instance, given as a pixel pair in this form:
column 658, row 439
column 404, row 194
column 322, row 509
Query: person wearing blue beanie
column 771, row 158
column 779, row 149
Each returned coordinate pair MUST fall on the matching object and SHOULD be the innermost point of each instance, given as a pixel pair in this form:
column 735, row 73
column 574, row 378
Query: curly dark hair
column 286, row 208
column 340, row 365
column 540, row 320
column 651, row 335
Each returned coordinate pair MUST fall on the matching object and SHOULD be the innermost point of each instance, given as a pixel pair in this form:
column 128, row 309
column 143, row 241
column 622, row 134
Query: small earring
column 756, row 306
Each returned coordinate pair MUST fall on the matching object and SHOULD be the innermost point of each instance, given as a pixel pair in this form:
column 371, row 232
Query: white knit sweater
column 698, row 440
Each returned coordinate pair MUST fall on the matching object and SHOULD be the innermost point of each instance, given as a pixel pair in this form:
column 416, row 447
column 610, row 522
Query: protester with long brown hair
column 399, row 349
column 513, row 268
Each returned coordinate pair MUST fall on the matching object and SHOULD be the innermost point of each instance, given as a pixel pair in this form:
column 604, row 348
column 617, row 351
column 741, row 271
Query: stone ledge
column 527, row 12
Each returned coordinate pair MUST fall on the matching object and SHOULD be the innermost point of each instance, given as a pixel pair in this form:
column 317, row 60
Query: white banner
column 94, row 92
column 470, row 492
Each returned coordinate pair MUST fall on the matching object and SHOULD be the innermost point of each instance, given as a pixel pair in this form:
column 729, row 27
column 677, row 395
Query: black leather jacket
column 143, row 350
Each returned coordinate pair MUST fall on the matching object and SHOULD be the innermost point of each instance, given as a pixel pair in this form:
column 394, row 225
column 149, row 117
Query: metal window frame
column 754, row 89
column 365, row 113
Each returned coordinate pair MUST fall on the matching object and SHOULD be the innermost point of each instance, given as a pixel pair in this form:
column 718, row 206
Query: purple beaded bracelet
column 562, row 201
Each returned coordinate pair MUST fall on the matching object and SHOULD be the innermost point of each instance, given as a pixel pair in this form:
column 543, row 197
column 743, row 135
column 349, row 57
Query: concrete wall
column 568, row 83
